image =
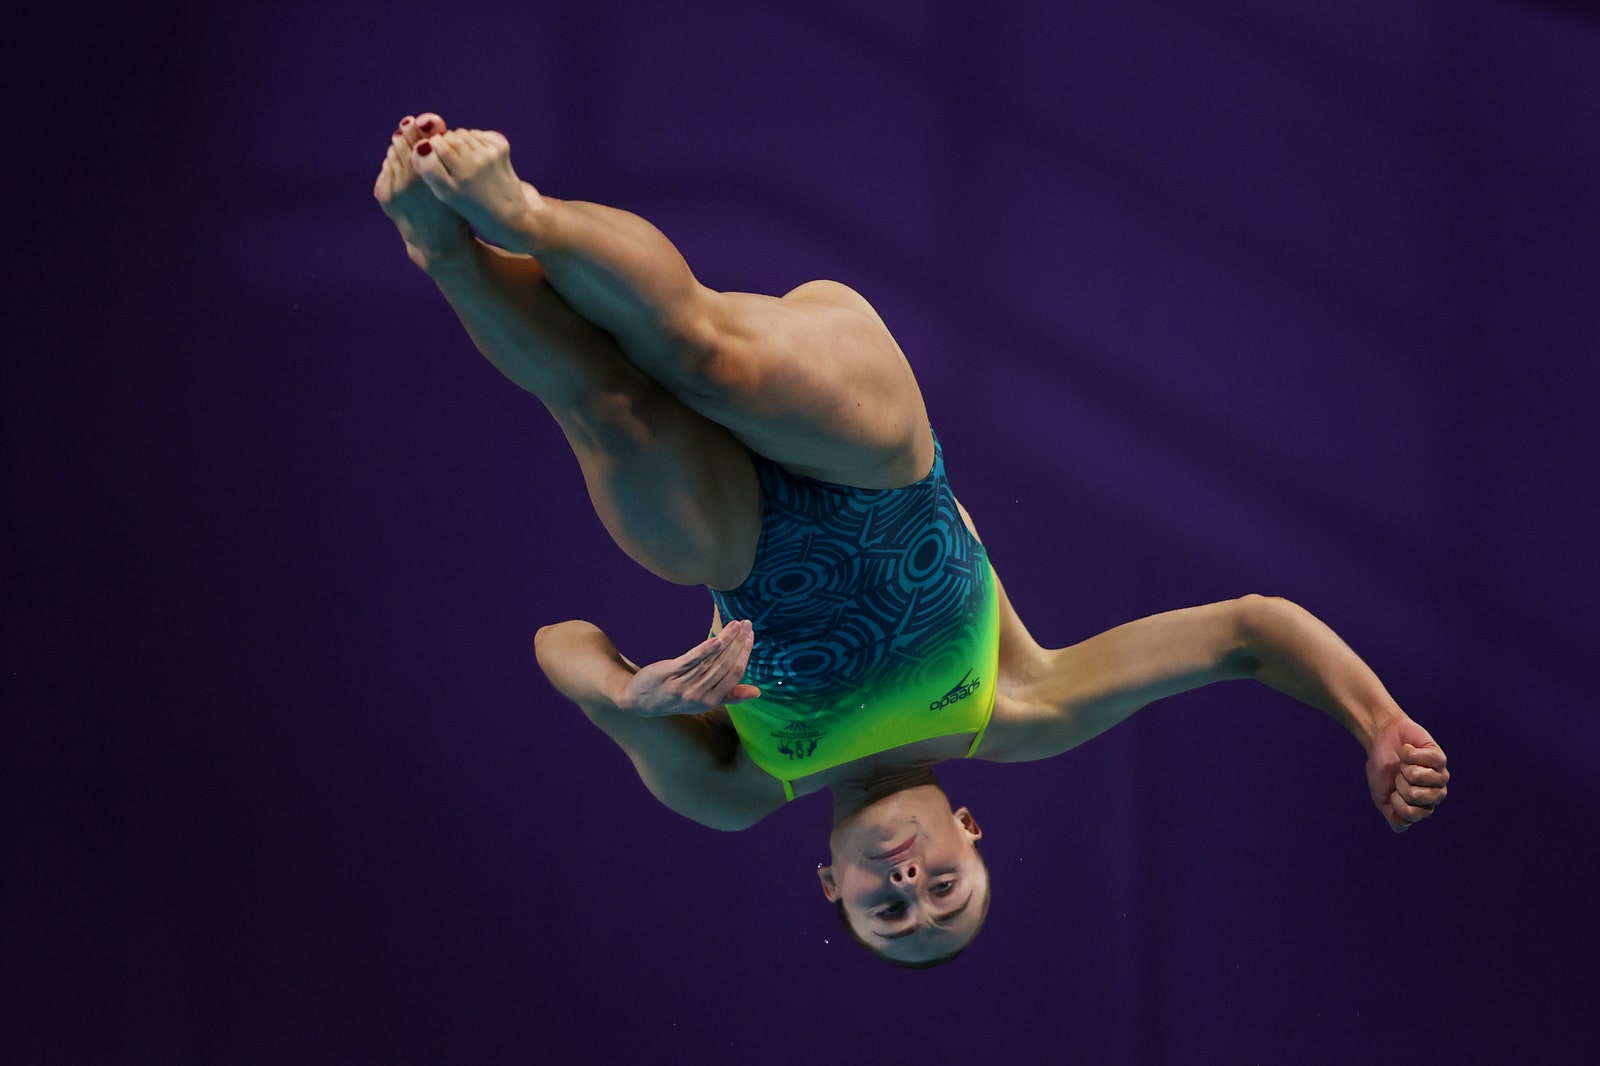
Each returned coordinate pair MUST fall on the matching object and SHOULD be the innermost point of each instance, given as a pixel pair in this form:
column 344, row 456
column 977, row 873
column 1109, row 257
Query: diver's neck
column 856, row 793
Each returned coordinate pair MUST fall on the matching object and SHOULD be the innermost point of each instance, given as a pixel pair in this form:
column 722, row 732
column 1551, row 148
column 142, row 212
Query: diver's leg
column 812, row 380
column 674, row 489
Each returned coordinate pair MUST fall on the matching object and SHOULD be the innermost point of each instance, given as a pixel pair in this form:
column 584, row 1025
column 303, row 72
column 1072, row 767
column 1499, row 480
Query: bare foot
column 470, row 171
column 434, row 234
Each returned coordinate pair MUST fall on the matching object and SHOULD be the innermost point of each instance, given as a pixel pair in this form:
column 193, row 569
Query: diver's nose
column 906, row 874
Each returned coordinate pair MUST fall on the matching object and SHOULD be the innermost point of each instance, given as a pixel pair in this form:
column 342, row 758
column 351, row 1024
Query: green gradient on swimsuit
column 948, row 690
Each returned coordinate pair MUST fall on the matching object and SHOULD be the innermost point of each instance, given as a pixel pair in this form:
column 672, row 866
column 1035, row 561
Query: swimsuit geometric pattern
column 875, row 621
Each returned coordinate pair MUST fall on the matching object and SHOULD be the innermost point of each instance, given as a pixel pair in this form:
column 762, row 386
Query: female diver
column 777, row 450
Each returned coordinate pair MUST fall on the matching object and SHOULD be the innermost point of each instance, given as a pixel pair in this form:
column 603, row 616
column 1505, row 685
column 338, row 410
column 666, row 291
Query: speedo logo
column 963, row 689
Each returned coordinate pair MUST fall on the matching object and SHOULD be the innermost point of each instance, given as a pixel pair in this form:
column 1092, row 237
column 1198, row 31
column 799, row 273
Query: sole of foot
column 434, row 234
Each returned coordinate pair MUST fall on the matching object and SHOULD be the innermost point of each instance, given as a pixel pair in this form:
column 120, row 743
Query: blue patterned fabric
column 875, row 621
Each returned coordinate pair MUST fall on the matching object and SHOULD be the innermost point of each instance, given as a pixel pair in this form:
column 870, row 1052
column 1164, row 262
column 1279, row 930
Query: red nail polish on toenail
column 405, row 122
column 427, row 127
column 424, row 148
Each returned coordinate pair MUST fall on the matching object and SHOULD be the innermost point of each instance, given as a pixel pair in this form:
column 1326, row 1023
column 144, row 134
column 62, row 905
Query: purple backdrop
column 1206, row 299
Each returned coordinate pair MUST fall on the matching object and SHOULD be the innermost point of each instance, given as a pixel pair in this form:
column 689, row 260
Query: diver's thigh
column 814, row 381
column 676, row 491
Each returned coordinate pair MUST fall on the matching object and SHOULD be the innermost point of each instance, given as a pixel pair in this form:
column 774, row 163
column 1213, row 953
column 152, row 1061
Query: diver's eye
column 944, row 888
column 893, row 910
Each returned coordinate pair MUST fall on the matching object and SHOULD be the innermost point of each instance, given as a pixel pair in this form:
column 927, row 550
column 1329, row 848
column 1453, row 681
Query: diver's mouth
column 895, row 855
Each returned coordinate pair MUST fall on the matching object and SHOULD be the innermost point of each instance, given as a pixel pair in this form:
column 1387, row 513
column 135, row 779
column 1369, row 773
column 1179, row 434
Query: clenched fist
column 1407, row 773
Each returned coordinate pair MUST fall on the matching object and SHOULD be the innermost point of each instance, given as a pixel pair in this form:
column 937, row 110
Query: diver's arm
column 1060, row 699
column 1290, row 649
column 1294, row 652
column 1050, row 701
column 684, row 751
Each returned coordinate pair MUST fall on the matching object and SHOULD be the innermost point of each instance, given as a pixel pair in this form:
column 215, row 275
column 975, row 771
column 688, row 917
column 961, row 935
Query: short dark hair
column 940, row 960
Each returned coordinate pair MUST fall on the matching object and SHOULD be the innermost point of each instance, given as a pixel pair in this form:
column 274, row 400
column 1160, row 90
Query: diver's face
column 912, row 885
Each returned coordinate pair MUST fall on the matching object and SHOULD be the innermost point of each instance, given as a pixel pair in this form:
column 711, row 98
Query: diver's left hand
column 701, row 679
column 1407, row 773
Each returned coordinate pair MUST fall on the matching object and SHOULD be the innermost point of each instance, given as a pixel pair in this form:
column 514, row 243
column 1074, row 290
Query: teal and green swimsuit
column 876, row 621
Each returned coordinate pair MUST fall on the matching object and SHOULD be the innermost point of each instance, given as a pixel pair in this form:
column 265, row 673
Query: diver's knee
column 628, row 412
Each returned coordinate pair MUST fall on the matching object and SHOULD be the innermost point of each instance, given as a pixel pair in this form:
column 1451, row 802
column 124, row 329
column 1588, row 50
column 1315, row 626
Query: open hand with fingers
column 1407, row 773
column 705, row 677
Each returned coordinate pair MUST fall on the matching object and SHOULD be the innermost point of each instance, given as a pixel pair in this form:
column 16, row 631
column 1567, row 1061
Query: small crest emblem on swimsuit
column 798, row 740
column 963, row 689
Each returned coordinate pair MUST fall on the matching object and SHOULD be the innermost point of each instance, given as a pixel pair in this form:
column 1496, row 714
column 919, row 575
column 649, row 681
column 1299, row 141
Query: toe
column 447, row 148
column 415, row 129
column 397, row 171
column 426, row 162
column 383, row 187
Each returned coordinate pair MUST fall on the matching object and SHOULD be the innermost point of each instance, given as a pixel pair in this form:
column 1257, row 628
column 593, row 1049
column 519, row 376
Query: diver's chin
column 883, row 812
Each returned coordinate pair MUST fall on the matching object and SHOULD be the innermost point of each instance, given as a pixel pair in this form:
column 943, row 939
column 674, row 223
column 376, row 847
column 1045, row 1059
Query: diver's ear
column 829, row 889
column 969, row 824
